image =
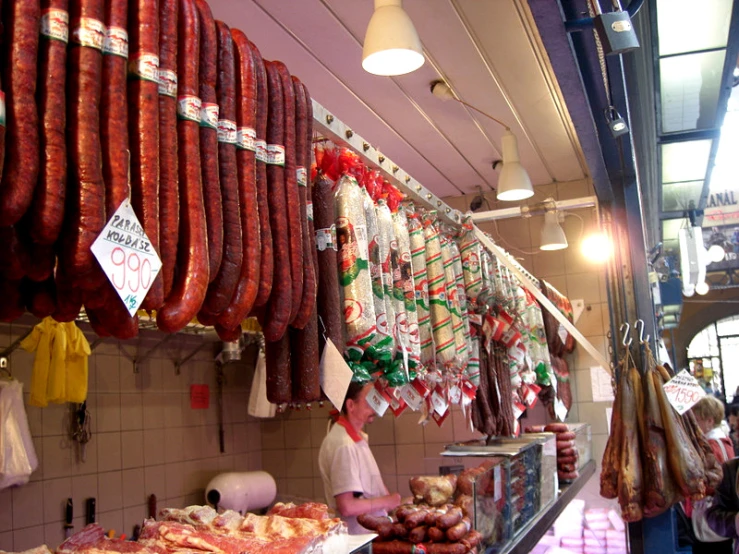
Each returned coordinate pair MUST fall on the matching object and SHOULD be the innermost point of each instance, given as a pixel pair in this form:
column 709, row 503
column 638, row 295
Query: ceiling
column 489, row 51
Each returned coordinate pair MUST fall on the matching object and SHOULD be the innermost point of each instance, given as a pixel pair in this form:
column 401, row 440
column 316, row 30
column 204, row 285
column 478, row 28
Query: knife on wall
column 68, row 517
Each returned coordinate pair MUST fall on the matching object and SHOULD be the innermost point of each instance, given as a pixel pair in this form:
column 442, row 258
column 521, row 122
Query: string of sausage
column 294, row 228
column 169, row 200
column 248, row 284
column 209, row 137
column 47, row 210
column 20, row 173
column 143, row 113
column 222, row 288
column 191, row 282
column 266, row 269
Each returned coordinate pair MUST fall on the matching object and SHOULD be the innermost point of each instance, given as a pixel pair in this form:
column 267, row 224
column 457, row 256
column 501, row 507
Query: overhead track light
column 513, row 182
column 391, row 44
column 552, row 235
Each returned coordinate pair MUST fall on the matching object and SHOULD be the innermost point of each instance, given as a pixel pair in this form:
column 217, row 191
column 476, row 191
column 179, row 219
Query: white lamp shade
column 702, row 288
column 513, row 183
column 552, row 235
column 716, row 253
column 391, row 44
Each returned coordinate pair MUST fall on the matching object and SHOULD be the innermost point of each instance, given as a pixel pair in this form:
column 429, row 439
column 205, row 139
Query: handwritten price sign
column 127, row 256
column 683, row 391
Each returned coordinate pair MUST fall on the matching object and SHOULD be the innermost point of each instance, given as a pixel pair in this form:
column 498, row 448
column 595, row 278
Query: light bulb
column 688, row 290
column 597, row 247
column 716, row 253
column 702, row 288
column 391, row 43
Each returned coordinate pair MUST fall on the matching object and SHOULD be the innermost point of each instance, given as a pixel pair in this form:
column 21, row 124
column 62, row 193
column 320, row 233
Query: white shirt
column 347, row 465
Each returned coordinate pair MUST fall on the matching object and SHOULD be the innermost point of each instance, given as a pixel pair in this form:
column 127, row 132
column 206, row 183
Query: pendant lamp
column 513, row 183
column 552, row 235
column 391, row 44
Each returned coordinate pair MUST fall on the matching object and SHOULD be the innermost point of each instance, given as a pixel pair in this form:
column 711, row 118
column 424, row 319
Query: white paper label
column 89, row 32
column 127, row 256
column 2, row 109
column 498, row 486
column 600, row 383
column 439, row 403
column 261, row 147
column 683, row 391
column 227, row 131
column 116, row 42
column 145, row 66
column 562, row 333
column 168, row 83
column 325, row 239
column 550, row 448
column 455, row 394
column 309, row 210
column 377, row 402
column 246, row 138
column 275, row 154
column 560, row 410
column 209, row 115
column 412, row 397
column 302, row 176
column 55, row 24
column 335, row 375
column 188, row 107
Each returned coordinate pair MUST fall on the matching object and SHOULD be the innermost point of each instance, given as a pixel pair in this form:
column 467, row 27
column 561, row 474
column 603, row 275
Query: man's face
column 733, row 419
column 359, row 409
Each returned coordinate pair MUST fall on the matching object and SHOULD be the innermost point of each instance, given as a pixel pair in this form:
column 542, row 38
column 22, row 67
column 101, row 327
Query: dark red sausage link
column 12, row 306
column 190, row 286
column 113, row 316
column 223, row 286
column 68, row 298
column 266, row 269
column 39, row 260
column 21, row 39
column 246, row 290
column 39, row 297
column 114, row 106
column 308, row 295
column 169, row 198
column 295, row 229
column 277, row 357
column 280, row 301
column 228, row 335
column 143, row 115
column 13, row 253
column 306, row 376
column 96, row 324
column 209, row 137
column 85, row 217
column 47, row 209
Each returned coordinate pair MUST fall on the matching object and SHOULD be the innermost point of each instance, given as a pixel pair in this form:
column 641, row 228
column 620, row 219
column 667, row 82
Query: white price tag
column 335, row 375
column 455, row 395
column 127, row 257
column 498, row 484
column 377, row 402
column 439, row 403
column 683, row 391
column 412, row 397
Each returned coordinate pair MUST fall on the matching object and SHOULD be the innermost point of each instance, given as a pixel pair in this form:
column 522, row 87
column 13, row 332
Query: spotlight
column 391, row 44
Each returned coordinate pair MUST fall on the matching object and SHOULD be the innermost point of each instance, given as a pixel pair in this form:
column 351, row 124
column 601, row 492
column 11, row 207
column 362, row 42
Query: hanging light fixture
column 552, row 235
column 391, row 44
column 702, row 288
column 513, row 182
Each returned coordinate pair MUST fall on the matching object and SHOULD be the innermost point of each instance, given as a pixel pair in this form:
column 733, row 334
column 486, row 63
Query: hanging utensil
column 81, row 433
column 68, row 517
column 219, row 400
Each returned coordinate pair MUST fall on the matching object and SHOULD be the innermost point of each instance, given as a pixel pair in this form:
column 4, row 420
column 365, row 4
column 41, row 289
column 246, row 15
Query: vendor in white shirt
column 351, row 478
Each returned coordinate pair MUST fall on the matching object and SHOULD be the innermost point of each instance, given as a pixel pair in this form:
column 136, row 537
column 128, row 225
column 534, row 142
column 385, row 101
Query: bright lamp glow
column 597, row 247
column 716, row 253
column 552, row 235
column 701, row 288
column 688, row 290
column 513, row 183
column 391, row 44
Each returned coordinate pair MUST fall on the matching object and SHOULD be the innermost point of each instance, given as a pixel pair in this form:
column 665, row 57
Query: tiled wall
column 403, row 448
column 146, row 439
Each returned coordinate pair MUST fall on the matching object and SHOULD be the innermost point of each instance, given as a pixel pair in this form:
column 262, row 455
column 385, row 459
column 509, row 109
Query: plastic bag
column 17, row 454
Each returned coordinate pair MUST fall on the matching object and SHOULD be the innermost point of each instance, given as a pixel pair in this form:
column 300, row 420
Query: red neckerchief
column 350, row 430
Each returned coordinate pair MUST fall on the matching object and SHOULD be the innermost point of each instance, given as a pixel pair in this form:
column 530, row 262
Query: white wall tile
column 6, row 511
column 27, row 503
column 110, row 492
column 56, row 493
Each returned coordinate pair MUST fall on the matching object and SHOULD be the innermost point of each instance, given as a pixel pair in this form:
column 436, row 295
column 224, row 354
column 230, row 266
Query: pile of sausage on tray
column 567, row 455
column 156, row 102
column 439, row 521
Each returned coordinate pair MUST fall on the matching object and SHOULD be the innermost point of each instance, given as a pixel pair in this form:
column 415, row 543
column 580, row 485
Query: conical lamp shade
column 391, row 44
column 552, row 235
column 513, row 183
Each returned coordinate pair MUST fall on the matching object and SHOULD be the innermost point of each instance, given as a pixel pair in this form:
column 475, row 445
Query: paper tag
column 227, row 131
column 397, row 405
column 55, row 24
column 600, row 383
column 550, row 448
column 275, row 154
column 562, row 333
column 377, row 401
column 209, row 115
column 683, row 391
column 144, row 65
column 302, row 176
column 261, row 149
column 168, row 83
column 188, row 107
column 2, row 108
column 335, row 375
column 497, row 484
column 89, row 32
column 324, row 240
column 246, row 139
column 440, row 419
column 199, row 397
column 439, row 402
column 455, row 394
column 412, row 397
column 560, row 410
column 127, row 256
column 309, row 210
column 116, row 42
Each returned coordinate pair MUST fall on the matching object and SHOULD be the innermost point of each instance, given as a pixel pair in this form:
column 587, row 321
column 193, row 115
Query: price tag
column 335, row 375
column 412, row 397
column 377, row 401
column 439, row 402
column 397, row 405
column 683, row 391
column 498, row 484
column 455, row 394
column 127, row 257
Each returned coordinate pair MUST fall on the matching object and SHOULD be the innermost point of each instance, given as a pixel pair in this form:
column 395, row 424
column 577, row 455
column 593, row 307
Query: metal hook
column 625, row 338
column 640, row 327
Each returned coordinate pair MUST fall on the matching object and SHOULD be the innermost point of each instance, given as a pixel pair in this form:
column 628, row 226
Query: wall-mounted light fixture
column 552, row 235
column 513, row 182
column 391, row 43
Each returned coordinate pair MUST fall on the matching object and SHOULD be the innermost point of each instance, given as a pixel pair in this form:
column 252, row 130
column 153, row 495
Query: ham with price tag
column 127, row 256
column 378, row 400
column 683, row 391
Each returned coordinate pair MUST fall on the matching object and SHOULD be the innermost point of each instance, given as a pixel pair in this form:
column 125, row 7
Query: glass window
column 728, row 326
column 681, row 196
column 685, row 161
column 684, row 26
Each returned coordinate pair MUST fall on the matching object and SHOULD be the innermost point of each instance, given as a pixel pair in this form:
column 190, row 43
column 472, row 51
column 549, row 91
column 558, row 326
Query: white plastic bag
column 17, row 454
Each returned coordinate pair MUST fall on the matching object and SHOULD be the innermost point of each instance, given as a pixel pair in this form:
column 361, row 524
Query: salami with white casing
column 470, row 251
column 461, row 294
column 441, row 318
column 421, row 287
column 400, row 224
column 454, row 304
column 354, row 275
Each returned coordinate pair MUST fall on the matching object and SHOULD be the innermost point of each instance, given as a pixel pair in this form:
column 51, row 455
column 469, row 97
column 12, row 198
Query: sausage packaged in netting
column 486, row 297
column 461, row 293
column 470, row 251
column 384, row 342
column 354, row 274
column 441, row 318
column 454, row 304
column 473, row 367
column 421, row 286
column 400, row 224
